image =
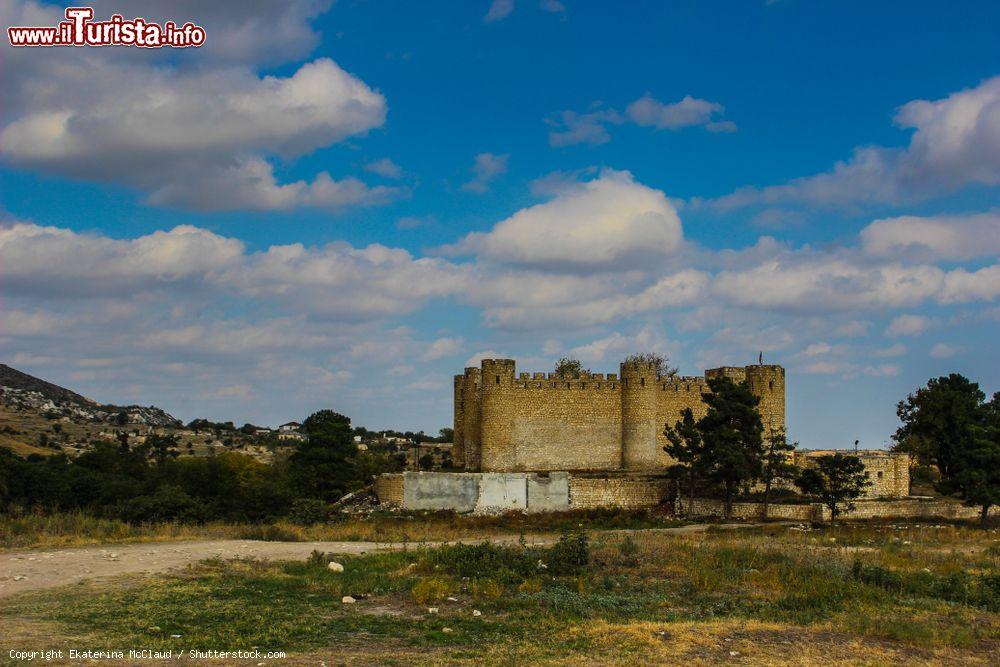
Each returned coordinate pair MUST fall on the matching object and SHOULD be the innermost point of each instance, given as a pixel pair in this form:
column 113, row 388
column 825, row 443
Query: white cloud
column 570, row 127
column 956, row 143
column 688, row 112
column 485, row 169
column 197, row 133
column 908, row 325
column 499, row 10
column 896, row 350
column 607, row 222
column 443, row 347
column 934, row 238
column 474, row 360
column 616, row 346
column 944, row 351
column 385, row 168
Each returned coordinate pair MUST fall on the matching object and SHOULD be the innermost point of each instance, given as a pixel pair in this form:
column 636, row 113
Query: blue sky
column 341, row 205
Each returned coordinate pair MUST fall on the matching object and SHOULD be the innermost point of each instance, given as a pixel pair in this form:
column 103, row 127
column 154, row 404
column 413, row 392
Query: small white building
column 290, row 427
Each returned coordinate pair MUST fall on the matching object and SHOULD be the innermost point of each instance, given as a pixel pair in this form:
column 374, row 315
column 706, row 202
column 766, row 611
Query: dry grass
column 755, row 597
column 79, row 529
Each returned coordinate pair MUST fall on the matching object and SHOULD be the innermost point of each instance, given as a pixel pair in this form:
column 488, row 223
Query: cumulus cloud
column 570, row 127
column 956, row 142
column 607, row 222
column 200, row 135
column 944, row 351
column 908, row 325
column 934, row 238
column 486, row 167
column 385, row 168
column 443, row 347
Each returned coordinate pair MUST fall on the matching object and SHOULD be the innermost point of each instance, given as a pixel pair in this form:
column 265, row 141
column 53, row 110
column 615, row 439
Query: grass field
column 78, row 529
column 918, row 594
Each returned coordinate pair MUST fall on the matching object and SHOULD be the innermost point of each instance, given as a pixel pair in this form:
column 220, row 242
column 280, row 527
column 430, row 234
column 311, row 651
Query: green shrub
column 309, row 511
column 569, row 556
column 431, row 589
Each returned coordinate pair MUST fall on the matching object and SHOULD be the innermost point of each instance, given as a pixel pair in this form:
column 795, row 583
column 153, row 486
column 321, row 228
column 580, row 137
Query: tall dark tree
column 837, row 481
column 776, row 463
column 322, row 467
column 939, row 420
column 975, row 475
column 731, row 430
column 686, row 447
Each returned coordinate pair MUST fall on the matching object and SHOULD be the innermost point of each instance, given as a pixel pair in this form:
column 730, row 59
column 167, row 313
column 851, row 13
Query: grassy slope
column 764, row 596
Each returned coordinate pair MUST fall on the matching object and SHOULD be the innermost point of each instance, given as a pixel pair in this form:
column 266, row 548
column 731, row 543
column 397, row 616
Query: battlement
column 534, row 421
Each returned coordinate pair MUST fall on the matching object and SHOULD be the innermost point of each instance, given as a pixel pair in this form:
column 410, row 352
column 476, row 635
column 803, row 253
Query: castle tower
column 497, row 449
column 639, row 424
column 471, row 433
column 768, row 382
column 458, row 437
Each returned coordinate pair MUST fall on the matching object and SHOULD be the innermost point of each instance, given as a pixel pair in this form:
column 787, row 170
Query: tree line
column 947, row 425
column 150, row 482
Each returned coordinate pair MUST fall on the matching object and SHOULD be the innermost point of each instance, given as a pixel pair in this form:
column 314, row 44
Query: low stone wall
column 864, row 509
column 528, row 492
column 389, row 489
column 625, row 492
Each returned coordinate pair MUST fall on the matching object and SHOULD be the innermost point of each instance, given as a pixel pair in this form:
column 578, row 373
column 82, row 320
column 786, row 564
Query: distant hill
column 15, row 379
column 24, row 392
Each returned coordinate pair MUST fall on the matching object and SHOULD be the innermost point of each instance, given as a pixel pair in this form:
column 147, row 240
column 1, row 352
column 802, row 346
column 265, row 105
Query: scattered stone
column 432, row 610
column 153, row 628
column 175, row 636
column 734, row 654
column 446, row 630
column 334, row 566
column 451, row 599
column 476, row 612
column 347, row 599
column 19, row 577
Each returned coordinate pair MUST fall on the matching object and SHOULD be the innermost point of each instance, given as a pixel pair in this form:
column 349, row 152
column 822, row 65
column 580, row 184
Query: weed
column 431, row 589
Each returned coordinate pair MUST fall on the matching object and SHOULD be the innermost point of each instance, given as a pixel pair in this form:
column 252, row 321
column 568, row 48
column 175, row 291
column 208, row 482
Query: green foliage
column 567, row 557
column 324, row 466
column 310, row 511
column 836, row 481
column 960, row 586
column 939, row 420
column 949, row 425
column 731, row 433
column 660, row 362
column 570, row 367
column 431, row 589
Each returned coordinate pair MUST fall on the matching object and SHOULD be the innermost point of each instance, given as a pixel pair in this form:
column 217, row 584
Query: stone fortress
column 505, row 422
column 548, row 441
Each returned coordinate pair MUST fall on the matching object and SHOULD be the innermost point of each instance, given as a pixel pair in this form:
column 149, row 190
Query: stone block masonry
column 509, row 422
column 485, row 493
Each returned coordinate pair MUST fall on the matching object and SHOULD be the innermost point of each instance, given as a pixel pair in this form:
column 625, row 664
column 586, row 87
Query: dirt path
column 47, row 568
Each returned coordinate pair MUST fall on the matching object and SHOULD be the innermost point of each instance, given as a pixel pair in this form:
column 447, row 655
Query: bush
column 475, row 561
column 310, row 511
column 431, row 589
column 569, row 556
column 168, row 503
column 484, row 590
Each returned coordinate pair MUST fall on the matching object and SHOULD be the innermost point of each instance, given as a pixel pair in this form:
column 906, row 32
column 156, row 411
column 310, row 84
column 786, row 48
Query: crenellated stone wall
column 590, row 422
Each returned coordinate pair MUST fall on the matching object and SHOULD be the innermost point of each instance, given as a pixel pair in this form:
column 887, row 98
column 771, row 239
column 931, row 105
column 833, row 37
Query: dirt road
column 47, row 568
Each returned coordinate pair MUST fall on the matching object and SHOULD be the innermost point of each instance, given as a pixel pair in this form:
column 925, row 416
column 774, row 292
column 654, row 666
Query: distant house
column 290, row 427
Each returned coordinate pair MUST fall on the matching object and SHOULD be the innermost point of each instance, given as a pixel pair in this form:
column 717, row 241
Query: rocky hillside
column 23, row 392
